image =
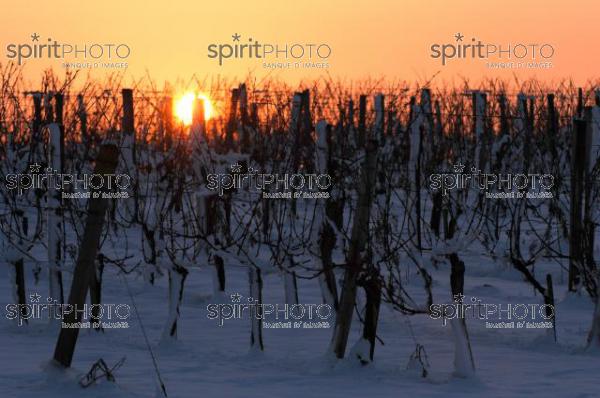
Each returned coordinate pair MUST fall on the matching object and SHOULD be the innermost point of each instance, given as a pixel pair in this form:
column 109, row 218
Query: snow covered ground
column 212, row 361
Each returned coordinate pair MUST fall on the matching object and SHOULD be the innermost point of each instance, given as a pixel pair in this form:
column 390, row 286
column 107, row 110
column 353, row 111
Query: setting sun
column 184, row 107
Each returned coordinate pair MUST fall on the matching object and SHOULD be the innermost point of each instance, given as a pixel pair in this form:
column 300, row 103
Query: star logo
column 236, row 168
column 34, row 168
column 235, row 298
column 459, row 37
column 236, row 37
column 458, row 167
column 475, row 170
column 35, row 37
column 34, row 298
column 458, row 298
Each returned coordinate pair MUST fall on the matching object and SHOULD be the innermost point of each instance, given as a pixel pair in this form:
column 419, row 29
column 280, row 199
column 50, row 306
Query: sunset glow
column 381, row 47
column 184, row 107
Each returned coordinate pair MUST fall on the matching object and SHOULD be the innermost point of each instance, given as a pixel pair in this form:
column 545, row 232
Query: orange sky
column 378, row 38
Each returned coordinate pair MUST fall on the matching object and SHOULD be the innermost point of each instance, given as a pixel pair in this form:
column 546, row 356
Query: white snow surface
column 212, row 361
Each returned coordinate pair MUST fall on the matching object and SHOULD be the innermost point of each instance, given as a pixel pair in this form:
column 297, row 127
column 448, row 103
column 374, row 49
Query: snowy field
column 212, row 361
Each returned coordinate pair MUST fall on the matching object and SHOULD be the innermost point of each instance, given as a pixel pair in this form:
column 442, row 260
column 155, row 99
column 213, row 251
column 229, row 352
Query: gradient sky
column 378, row 38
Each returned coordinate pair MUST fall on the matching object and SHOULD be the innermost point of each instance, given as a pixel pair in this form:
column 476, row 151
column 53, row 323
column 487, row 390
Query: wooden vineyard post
column 106, row 163
column 245, row 144
column 589, row 226
column 290, row 284
column 211, row 220
column 58, row 108
column 593, row 339
column 56, row 229
column 523, row 124
column 479, row 110
column 18, row 262
column 371, row 284
column 82, row 115
column 20, row 287
column 306, row 129
column 414, row 165
column 428, row 130
column 552, row 134
column 552, row 118
column 549, row 301
column 198, row 135
column 131, row 205
column 35, row 149
column 219, row 274
column 358, row 242
column 233, row 121
column 16, row 249
column 326, row 237
column 362, row 125
column 295, row 133
column 372, row 289
column 127, row 124
column 167, row 136
column 580, row 102
column 256, row 285
column 37, row 115
column 177, row 276
column 504, row 113
column 379, row 118
column 127, row 127
column 351, row 139
column 96, row 292
column 378, row 130
column 48, row 111
column 578, row 173
column 438, row 158
column 55, row 215
column 295, row 125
